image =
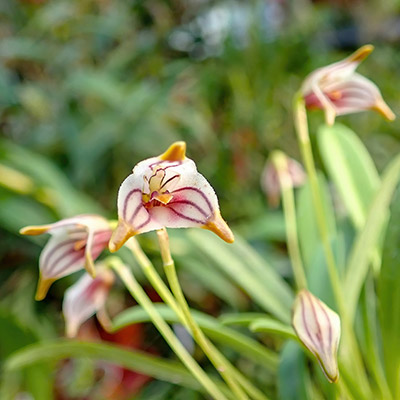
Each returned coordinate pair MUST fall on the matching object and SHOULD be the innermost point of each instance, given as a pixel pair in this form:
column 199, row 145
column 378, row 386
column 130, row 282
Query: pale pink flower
column 318, row 328
column 167, row 191
column 86, row 298
column 339, row 90
column 270, row 184
column 74, row 244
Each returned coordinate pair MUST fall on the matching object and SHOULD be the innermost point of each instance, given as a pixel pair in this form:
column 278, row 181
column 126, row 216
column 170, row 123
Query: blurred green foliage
column 90, row 87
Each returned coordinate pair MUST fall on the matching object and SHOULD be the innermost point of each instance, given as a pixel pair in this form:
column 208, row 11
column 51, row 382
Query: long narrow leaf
column 211, row 327
column 229, row 259
column 359, row 260
column 351, row 168
column 170, row 371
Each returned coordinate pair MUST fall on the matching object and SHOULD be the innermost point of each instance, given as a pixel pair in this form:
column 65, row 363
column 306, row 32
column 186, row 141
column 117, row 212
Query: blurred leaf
column 389, row 298
column 246, row 346
column 351, row 168
column 239, row 318
column 170, row 371
column 53, row 188
column 270, row 226
column 242, row 264
column 214, row 281
column 14, row 336
column 308, row 232
column 359, row 260
column 17, row 211
column 270, row 325
column 293, row 378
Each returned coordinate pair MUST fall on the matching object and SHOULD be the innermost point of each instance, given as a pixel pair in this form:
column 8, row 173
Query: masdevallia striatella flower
column 167, row 191
column 86, row 298
column 318, row 328
column 339, row 90
column 74, row 244
column 290, row 169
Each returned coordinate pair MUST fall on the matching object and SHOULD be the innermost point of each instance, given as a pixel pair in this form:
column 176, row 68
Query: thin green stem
column 281, row 164
column 140, row 296
column 166, row 295
column 227, row 370
column 355, row 358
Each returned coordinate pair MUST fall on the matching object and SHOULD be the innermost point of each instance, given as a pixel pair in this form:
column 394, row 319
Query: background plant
column 90, row 88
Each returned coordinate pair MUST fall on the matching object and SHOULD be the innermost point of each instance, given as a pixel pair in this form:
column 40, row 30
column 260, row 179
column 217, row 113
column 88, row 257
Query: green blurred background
column 88, row 88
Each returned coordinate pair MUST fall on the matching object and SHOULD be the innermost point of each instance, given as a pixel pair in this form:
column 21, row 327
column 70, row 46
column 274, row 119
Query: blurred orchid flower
column 339, row 90
column 318, row 328
column 167, row 191
column 74, row 244
column 292, row 170
column 86, row 298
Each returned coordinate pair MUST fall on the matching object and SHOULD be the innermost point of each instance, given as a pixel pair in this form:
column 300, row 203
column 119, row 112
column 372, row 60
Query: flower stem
column 280, row 161
column 300, row 116
column 140, row 296
column 166, row 295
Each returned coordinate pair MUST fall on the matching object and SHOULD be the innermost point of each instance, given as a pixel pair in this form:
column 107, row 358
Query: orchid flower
column 318, row 328
column 294, row 172
column 167, row 191
column 74, row 244
column 339, row 90
column 86, row 298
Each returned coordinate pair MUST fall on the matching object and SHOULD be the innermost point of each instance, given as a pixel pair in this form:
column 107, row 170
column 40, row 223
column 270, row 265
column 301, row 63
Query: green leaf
column 359, row 260
column 293, row 375
column 252, row 273
column 308, row 231
column 389, row 298
column 167, row 370
column 272, row 326
column 239, row 318
column 51, row 186
column 213, row 280
column 246, row 346
column 351, row 168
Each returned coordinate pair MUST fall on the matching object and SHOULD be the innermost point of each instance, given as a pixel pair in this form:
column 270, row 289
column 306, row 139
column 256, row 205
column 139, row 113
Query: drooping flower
column 339, row 90
column 167, row 191
column 292, row 170
column 74, row 244
column 86, row 298
column 318, row 328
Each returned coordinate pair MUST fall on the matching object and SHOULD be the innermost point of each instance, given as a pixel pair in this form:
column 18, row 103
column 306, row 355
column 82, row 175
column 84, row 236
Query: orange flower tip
column 89, row 266
column 382, row 108
column 121, row 234
column 43, row 287
column 217, row 225
column 71, row 330
column 175, row 152
column 34, row 230
column 362, row 53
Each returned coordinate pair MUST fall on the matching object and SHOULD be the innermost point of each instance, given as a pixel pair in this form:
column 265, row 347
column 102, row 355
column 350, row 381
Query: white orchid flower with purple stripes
column 318, row 328
column 339, row 90
column 167, row 191
column 86, row 298
column 74, row 244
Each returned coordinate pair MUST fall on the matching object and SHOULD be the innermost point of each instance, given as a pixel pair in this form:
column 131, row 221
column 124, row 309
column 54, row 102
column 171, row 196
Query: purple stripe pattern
column 318, row 327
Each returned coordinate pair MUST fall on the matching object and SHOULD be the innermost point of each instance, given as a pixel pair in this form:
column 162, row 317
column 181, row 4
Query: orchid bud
column 339, row 90
column 292, row 172
column 167, row 191
column 318, row 328
column 74, row 244
column 86, row 298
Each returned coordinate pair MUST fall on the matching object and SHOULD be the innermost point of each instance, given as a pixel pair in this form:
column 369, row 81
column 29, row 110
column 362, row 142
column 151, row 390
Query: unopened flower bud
column 318, row 328
column 291, row 171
